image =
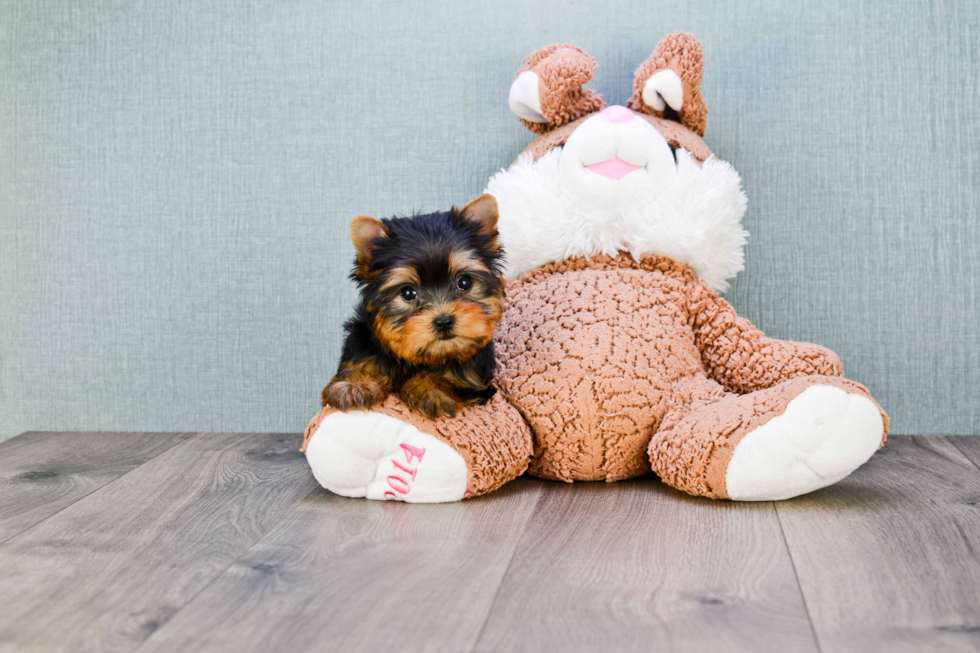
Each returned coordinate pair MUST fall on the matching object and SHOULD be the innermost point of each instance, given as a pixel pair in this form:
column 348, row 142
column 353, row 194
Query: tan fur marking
column 460, row 262
column 483, row 211
column 473, row 322
column 414, row 337
column 430, row 395
column 357, row 386
column 401, row 276
column 466, row 377
column 416, row 341
column 363, row 231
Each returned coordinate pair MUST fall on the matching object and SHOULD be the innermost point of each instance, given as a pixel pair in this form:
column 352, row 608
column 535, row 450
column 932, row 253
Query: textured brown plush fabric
column 691, row 448
column 562, row 70
column 588, row 351
column 610, row 367
column 740, row 357
column 493, row 439
column 682, row 53
column 676, row 134
column 598, row 353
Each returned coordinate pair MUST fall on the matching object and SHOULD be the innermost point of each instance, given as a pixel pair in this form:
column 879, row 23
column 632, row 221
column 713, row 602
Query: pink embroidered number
column 411, row 452
column 411, row 472
column 399, row 484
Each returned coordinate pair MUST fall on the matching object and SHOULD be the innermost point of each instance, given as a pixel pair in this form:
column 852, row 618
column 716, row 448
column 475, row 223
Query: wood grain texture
column 106, row 572
column 969, row 447
column 637, row 566
column 210, row 545
column 888, row 558
column 42, row 473
column 347, row 575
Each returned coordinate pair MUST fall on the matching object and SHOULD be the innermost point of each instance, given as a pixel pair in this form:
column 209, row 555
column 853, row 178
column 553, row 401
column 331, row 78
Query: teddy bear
column 616, row 355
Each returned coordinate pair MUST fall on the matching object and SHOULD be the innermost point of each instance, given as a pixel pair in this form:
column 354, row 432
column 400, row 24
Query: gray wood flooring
column 224, row 542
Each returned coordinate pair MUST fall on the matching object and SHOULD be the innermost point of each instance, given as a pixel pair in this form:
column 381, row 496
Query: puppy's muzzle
column 444, row 325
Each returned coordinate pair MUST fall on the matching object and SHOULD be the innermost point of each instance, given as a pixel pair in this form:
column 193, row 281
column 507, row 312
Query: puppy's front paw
column 353, row 395
column 430, row 397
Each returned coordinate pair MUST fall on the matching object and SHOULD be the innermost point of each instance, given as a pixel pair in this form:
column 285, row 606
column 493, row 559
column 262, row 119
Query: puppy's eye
column 464, row 282
column 409, row 293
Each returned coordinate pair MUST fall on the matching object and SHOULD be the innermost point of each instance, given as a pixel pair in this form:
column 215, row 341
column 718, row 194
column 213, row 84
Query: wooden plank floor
column 224, row 542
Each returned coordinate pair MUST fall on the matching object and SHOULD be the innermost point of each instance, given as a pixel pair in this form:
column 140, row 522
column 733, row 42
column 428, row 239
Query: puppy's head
column 432, row 283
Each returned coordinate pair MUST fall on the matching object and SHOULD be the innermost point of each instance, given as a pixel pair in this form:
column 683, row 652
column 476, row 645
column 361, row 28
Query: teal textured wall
column 176, row 181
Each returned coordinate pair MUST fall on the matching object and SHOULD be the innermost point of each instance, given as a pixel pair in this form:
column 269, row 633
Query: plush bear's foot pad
column 366, row 454
column 824, row 434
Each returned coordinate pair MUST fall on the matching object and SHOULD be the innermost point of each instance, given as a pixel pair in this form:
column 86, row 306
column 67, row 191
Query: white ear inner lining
column 663, row 89
column 525, row 98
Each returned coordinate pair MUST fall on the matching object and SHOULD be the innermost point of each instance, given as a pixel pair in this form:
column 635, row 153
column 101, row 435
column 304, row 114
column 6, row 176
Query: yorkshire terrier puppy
column 431, row 295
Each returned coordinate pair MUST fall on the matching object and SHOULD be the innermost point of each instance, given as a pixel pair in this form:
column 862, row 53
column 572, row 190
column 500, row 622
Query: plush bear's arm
column 742, row 358
column 493, row 440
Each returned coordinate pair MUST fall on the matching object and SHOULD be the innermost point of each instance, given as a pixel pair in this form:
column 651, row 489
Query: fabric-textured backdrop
column 177, row 180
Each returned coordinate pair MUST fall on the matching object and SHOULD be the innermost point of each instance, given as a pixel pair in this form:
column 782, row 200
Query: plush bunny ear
column 668, row 84
column 547, row 91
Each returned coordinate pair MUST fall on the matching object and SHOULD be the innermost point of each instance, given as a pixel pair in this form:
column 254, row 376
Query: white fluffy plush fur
column 823, row 435
column 694, row 218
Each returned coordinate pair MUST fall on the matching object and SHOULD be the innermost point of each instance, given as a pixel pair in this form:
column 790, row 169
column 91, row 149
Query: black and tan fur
column 416, row 274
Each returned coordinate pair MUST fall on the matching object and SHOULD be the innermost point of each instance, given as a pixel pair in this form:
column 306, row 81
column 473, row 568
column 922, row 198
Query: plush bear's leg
column 391, row 452
column 796, row 437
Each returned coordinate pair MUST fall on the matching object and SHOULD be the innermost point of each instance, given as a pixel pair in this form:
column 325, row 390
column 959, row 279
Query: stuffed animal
column 616, row 355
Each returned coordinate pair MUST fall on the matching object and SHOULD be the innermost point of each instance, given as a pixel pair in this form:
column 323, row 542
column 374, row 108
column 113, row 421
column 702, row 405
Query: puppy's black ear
column 363, row 231
column 483, row 212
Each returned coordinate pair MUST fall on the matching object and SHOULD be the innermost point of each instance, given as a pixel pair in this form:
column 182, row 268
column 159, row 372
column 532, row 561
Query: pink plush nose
column 616, row 113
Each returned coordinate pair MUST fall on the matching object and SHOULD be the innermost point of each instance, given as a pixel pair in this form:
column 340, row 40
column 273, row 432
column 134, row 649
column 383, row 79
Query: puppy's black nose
column 444, row 323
